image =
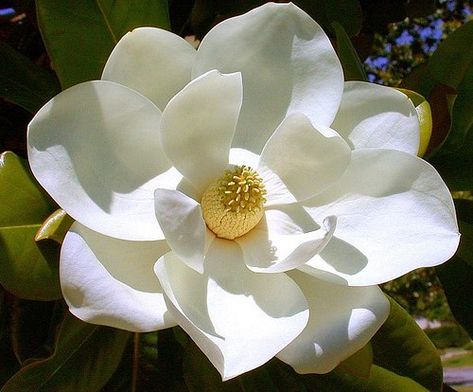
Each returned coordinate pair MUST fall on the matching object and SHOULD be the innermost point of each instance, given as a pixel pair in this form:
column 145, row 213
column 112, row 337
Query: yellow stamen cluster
column 233, row 204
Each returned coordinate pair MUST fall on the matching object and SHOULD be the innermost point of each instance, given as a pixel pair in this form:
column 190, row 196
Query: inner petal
column 233, row 204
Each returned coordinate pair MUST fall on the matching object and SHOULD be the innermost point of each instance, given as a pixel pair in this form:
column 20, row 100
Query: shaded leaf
column 30, row 326
column 380, row 380
column 54, row 227
column 84, row 359
column 24, row 83
column 420, row 8
column 401, row 346
column 352, row 66
column 79, row 39
column 456, row 276
column 29, row 271
column 359, row 364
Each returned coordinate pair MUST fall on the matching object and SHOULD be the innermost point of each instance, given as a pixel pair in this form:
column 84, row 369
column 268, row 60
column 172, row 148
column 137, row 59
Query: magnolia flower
column 242, row 191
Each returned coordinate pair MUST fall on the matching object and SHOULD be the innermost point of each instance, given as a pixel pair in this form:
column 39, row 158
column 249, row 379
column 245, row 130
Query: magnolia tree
column 218, row 216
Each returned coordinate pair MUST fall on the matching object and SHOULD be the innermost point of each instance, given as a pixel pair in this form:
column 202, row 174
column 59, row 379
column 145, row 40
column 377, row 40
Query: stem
column 135, row 362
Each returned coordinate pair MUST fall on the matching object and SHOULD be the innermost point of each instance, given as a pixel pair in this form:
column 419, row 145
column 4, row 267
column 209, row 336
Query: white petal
column 394, row 213
column 183, row 225
column 342, row 321
column 307, row 159
column 198, row 126
column 288, row 65
column 374, row 116
column 239, row 319
column 266, row 249
column 95, row 149
column 152, row 61
column 110, row 282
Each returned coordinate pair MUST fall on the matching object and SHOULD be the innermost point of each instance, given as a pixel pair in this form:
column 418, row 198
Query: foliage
column 44, row 348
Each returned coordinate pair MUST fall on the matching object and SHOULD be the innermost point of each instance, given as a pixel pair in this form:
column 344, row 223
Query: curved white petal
column 180, row 218
column 307, row 159
column 374, row 116
column 267, row 248
column 152, row 61
column 395, row 214
column 239, row 319
column 342, row 320
column 288, row 65
column 95, row 148
column 198, row 126
column 110, row 282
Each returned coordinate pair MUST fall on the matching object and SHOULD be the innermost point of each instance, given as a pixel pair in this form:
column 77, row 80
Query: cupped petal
column 307, row 159
column 198, row 126
column 239, row 319
column 342, row 321
column 288, row 65
column 107, row 281
column 95, row 149
column 180, row 218
column 394, row 214
column 269, row 248
column 374, row 116
column 152, row 61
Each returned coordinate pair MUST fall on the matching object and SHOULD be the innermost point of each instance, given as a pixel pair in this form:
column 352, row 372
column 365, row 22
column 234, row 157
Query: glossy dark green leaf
column 380, row 380
column 453, row 54
column 351, row 63
column 359, row 364
column 24, row 83
column 456, row 276
column 79, row 38
column 28, row 270
column 401, row 346
column 55, row 227
column 84, row 359
column 30, row 327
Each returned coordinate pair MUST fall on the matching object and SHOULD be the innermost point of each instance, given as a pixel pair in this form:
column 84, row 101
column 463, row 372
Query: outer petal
column 95, row 148
column 342, row 320
column 394, row 213
column 267, row 248
column 374, row 116
column 239, row 319
column 111, row 282
column 305, row 158
column 198, row 126
column 183, row 225
column 152, row 61
column 288, row 65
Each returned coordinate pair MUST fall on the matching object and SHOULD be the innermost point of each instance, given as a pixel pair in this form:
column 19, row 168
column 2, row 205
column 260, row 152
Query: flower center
column 233, row 204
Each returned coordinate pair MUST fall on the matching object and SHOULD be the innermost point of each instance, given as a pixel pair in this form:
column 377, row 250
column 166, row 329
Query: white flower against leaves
column 242, row 191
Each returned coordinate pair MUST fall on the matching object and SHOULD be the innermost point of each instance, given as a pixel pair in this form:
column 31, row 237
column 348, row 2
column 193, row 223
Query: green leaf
column 453, row 54
column 55, row 227
column 352, row 66
column 456, row 276
column 29, row 270
column 380, row 380
column 359, row 364
column 79, row 39
column 22, row 201
column 24, row 83
column 401, row 346
column 84, row 359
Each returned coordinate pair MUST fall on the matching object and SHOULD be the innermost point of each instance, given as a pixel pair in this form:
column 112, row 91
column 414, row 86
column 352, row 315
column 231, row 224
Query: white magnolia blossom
column 242, row 191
